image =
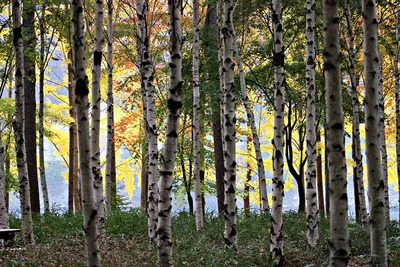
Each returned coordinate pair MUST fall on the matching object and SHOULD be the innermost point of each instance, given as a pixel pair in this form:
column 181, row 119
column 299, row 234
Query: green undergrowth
column 60, row 242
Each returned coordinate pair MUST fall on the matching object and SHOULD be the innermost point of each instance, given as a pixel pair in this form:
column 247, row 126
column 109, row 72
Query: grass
column 59, row 242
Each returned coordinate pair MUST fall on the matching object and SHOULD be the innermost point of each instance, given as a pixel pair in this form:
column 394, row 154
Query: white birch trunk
column 169, row 152
column 276, row 239
column 196, row 118
column 311, row 135
column 3, row 190
column 382, row 144
column 147, row 75
column 22, row 165
column 110, row 110
column 256, row 140
column 397, row 81
column 339, row 234
column 95, row 116
column 229, row 121
column 42, row 170
column 85, row 152
column 376, row 183
column 356, row 120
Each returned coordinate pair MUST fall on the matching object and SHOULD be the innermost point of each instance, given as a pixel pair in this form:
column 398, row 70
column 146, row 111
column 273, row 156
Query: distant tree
column 3, row 190
column 397, row 80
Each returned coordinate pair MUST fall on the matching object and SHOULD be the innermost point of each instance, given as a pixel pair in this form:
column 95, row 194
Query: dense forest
column 221, row 107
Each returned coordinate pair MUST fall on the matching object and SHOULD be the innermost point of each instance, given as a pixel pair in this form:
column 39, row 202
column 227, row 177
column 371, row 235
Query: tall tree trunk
column 357, row 156
column 320, row 185
column 42, row 67
column 169, row 153
column 19, row 125
column 382, row 144
column 397, row 79
column 246, row 191
column 376, row 182
column 30, row 100
column 85, row 151
column 95, row 115
column 276, row 239
column 217, row 125
column 147, row 76
column 196, row 118
column 110, row 159
column 229, row 132
column 327, row 193
column 144, row 177
column 74, row 196
column 3, row 190
column 311, row 198
column 339, row 233
column 256, row 140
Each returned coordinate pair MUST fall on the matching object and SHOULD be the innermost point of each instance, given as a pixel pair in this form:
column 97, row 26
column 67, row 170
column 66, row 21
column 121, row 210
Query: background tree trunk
column 196, row 118
column 95, row 115
column 320, row 184
column 339, row 234
column 19, row 125
column 376, row 183
column 256, row 140
column 246, row 191
column 29, row 37
column 276, row 239
column 397, row 97
column 111, row 187
column 3, row 190
column 169, row 152
column 42, row 67
column 85, row 152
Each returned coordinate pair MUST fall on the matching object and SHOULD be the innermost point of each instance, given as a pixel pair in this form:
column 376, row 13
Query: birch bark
column 276, row 239
column 85, row 151
column 3, row 190
column 339, row 234
column 168, row 157
column 19, row 125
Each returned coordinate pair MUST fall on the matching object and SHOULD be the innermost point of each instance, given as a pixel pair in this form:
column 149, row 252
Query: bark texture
column 276, row 239
column 3, row 190
column 255, row 138
column 110, row 159
column 311, row 181
column 376, row 183
column 29, row 38
column 229, row 131
column 42, row 67
column 168, row 157
column 19, row 125
column 196, row 118
column 85, row 152
column 357, row 156
column 95, row 115
column 320, row 184
column 339, row 234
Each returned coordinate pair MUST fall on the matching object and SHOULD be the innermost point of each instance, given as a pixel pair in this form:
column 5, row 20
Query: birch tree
column 42, row 66
column 276, row 239
column 3, row 190
column 311, row 197
column 95, row 115
column 359, row 173
column 196, row 118
column 110, row 159
column 255, row 138
column 174, row 105
column 147, row 71
column 19, row 125
column 375, row 180
column 229, row 132
column 85, row 152
column 339, row 234
column 397, row 98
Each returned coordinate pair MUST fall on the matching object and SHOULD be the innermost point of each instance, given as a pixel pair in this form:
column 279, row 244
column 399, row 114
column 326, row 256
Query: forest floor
column 60, row 242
